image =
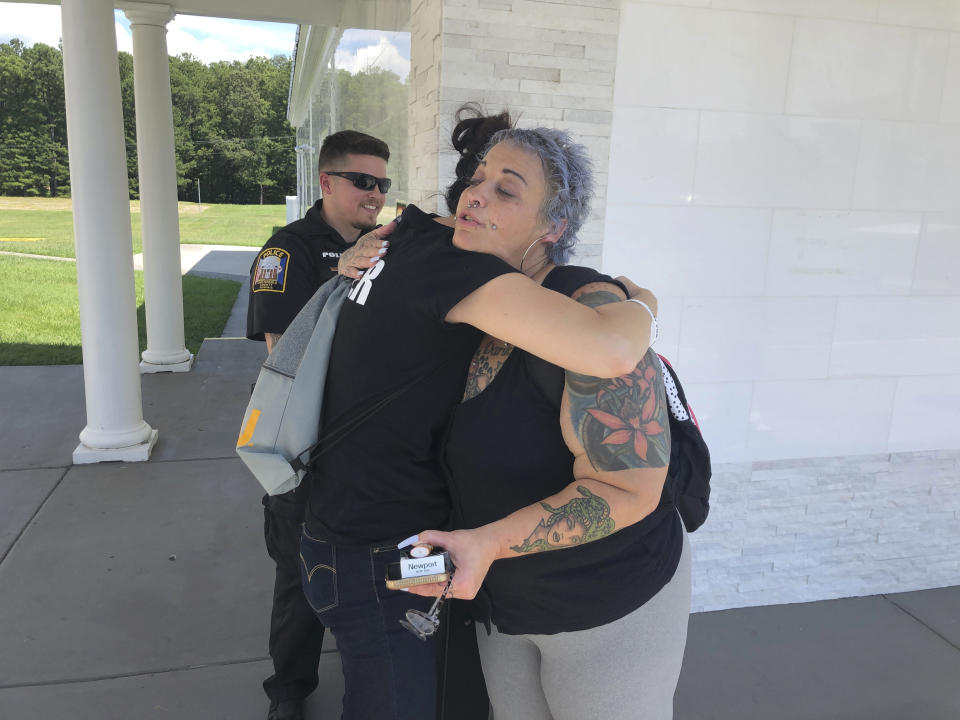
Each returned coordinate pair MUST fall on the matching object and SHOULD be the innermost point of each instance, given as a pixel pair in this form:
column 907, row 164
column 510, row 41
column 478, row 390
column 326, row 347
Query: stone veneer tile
column 822, row 528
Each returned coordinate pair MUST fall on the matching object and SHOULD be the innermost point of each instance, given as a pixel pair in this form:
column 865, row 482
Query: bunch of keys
column 436, row 567
column 424, row 624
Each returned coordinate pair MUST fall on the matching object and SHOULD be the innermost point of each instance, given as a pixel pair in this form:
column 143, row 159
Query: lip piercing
column 476, row 204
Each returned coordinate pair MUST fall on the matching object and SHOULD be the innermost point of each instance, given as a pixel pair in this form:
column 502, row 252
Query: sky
column 212, row 39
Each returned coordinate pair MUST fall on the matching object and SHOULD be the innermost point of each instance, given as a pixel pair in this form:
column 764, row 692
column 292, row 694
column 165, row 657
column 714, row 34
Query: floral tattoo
column 621, row 422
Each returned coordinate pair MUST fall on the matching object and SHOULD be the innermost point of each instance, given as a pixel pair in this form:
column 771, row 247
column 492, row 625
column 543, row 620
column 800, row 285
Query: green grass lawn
column 40, row 321
column 44, row 226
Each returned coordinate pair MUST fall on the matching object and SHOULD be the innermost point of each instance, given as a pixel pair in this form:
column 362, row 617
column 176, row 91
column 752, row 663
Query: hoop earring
column 526, row 251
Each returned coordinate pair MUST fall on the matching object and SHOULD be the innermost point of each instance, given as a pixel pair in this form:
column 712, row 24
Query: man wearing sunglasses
column 296, row 261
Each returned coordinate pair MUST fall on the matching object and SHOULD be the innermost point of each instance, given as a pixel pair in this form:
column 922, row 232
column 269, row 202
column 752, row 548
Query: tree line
column 230, row 128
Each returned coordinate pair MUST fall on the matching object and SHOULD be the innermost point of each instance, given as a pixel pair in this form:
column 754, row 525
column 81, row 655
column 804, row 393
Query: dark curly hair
column 470, row 137
column 566, row 168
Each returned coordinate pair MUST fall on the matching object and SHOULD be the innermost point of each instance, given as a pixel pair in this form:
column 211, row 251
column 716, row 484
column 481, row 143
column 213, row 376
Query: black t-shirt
column 296, row 261
column 383, row 481
column 521, row 460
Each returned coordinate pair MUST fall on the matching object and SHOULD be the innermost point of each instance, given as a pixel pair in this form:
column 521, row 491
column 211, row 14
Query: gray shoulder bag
column 283, row 415
column 278, row 438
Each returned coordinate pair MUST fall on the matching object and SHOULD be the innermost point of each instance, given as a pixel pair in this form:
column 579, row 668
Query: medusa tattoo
column 581, row 520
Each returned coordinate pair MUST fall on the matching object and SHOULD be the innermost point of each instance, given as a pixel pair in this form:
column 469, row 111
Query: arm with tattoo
column 618, row 431
column 620, row 423
column 272, row 339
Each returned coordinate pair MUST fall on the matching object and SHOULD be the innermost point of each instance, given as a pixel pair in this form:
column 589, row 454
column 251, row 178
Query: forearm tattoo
column 621, row 422
column 581, row 520
column 486, row 363
column 345, row 261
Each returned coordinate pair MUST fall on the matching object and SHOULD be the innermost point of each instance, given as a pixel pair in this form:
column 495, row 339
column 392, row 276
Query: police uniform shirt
column 296, row 261
column 382, row 481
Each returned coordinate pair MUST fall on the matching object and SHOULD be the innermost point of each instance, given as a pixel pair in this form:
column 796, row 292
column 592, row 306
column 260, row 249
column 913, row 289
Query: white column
column 162, row 289
column 293, row 208
column 101, row 221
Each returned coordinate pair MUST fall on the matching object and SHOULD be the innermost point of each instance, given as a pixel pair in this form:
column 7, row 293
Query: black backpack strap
column 689, row 472
column 304, row 459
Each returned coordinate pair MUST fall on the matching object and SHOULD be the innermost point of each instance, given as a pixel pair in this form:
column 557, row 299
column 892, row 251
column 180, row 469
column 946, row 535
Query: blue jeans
column 388, row 673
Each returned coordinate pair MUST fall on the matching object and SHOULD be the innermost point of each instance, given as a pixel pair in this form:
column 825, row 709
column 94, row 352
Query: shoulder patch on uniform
column 270, row 274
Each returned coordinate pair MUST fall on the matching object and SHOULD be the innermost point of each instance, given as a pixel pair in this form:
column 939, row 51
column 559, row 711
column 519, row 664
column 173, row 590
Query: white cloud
column 30, row 23
column 384, row 55
column 213, row 39
column 124, row 39
column 209, row 49
column 208, row 39
column 356, row 37
column 242, row 38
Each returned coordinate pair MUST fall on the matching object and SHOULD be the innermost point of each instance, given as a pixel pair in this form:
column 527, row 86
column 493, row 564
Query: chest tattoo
column 486, row 363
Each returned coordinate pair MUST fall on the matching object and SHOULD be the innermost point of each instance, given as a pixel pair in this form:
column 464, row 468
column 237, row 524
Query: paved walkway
column 9, row 253
column 142, row 590
column 134, row 590
column 213, row 260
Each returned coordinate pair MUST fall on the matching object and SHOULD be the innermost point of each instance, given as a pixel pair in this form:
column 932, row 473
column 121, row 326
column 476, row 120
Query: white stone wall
column 803, row 530
column 786, row 176
column 426, row 20
column 550, row 63
column 790, row 187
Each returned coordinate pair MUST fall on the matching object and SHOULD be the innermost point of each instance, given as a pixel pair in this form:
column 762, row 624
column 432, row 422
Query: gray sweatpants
column 625, row 669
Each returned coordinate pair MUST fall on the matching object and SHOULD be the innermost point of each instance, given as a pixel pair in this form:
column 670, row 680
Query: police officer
column 288, row 270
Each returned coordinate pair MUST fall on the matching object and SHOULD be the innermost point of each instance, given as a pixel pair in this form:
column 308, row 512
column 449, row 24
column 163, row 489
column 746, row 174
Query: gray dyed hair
column 569, row 173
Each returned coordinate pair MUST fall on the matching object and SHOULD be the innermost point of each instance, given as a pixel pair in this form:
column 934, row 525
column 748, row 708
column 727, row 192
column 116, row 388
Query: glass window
column 364, row 89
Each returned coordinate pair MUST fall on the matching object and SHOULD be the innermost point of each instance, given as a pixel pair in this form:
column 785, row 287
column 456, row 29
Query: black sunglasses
column 364, row 181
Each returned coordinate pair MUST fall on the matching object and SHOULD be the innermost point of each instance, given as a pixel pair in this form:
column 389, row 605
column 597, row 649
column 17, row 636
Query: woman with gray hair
column 405, row 336
column 580, row 567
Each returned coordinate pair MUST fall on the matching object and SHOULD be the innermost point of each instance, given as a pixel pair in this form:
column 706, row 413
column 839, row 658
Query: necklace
column 531, row 272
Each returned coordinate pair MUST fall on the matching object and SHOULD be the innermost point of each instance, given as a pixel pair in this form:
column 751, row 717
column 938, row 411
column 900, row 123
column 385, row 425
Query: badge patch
column 271, row 272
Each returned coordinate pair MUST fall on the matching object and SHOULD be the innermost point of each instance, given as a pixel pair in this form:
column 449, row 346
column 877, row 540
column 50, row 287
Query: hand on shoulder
column 365, row 252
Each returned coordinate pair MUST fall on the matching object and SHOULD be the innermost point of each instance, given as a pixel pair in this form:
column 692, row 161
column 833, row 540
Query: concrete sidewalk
column 137, row 590
column 143, row 590
column 231, row 261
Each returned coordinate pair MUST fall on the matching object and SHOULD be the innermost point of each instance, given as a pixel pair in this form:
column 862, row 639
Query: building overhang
column 314, row 48
column 369, row 14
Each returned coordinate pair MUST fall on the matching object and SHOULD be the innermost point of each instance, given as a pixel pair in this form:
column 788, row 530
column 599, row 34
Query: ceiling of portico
column 371, row 14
